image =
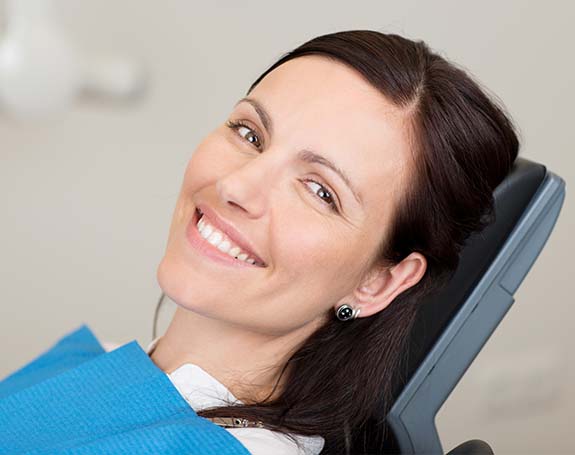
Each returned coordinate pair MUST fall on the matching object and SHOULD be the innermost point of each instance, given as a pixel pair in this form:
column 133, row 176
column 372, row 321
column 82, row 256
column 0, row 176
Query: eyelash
column 235, row 125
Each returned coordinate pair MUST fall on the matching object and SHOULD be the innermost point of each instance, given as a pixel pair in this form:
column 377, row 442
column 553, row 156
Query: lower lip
column 203, row 246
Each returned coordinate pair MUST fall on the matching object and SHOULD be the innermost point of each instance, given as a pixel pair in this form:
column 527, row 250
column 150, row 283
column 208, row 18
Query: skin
column 242, row 324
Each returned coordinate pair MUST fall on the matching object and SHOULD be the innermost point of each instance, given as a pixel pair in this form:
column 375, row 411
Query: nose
column 250, row 187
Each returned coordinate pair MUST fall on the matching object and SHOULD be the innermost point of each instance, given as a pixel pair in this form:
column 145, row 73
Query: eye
column 253, row 135
column 330, row 202
column 237, row 125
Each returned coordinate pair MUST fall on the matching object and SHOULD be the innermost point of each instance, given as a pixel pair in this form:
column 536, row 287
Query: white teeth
column 215, row 238
column 221, row 242
column 242, row 257
column 206, row 231
column 234, row 251
column 224, row 246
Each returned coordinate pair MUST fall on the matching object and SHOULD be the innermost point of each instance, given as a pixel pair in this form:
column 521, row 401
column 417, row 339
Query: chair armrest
column 472, row 447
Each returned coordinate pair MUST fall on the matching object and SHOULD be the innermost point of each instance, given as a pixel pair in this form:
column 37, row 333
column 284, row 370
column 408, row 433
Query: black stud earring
column 346, row 312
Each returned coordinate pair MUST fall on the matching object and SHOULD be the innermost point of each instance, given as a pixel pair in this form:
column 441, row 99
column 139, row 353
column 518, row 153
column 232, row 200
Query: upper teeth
column 223, row 243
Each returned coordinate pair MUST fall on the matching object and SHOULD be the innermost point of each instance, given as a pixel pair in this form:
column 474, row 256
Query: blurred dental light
column 42, row 72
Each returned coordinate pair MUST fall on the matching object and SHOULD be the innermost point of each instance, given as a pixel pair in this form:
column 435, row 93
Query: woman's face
column 253, row 177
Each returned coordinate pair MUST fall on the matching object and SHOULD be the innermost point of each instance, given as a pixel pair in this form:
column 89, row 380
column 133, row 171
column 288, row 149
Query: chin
column 183, row 287
column 171, row 278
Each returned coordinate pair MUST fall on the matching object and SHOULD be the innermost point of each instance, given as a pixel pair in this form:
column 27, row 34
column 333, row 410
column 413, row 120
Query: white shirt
column 201, row 390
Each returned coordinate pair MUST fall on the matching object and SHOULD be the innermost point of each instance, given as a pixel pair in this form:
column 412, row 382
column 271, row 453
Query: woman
column 336, row 195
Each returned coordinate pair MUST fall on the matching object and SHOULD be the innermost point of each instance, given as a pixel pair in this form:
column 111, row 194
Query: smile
column 213, row 243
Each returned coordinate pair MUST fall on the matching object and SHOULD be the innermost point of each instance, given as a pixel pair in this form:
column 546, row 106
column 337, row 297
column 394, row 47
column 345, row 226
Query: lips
column 227, row 228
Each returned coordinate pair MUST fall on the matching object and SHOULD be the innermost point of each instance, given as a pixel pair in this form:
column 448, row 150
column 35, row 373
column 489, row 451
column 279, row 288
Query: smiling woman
column 310, row 224
column 352, row 172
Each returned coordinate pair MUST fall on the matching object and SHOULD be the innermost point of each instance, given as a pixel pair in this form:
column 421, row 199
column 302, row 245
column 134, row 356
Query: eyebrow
column 308, row 156
column 263, row 114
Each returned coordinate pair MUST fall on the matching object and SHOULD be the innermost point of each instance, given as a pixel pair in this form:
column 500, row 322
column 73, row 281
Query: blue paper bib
column 76, row 398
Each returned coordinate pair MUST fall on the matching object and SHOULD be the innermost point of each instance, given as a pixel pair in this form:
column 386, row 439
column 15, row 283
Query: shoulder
column 110, row 345
column 261, row 441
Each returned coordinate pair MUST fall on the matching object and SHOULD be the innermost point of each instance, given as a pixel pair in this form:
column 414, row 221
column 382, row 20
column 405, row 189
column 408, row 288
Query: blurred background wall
column 87, row 195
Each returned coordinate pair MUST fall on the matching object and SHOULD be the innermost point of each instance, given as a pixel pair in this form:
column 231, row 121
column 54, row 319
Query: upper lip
column 227, row 228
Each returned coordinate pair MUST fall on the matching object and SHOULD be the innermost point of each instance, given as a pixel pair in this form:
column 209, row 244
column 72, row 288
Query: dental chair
column 453, row 325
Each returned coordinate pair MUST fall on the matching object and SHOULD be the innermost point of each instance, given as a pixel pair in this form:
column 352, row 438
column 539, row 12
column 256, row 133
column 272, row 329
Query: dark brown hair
column 463, row 147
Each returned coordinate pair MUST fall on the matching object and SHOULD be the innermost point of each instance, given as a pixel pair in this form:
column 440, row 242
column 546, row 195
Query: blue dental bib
column 76, row 398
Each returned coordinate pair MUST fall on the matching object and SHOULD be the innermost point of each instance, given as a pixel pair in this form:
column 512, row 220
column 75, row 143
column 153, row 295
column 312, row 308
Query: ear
column 383, row 284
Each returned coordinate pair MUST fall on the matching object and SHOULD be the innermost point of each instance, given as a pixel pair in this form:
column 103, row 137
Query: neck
column 248, row 364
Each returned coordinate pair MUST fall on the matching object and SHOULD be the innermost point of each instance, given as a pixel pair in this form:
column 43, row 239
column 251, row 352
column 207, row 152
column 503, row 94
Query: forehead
column 327, row 106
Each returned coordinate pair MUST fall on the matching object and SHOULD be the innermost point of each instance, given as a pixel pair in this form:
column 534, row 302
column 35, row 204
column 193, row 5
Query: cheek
column 316, row 267
column 323, row 255
column 310, row 241
column 199, row 169
column 197, row 174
